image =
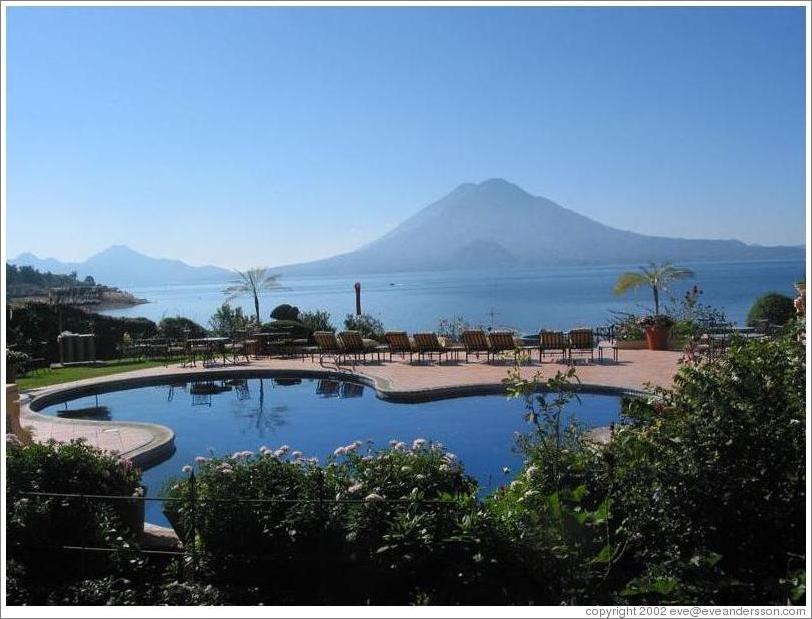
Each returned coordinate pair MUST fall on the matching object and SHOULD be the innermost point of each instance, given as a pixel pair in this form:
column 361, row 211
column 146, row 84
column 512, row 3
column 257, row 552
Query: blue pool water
column 316, row 416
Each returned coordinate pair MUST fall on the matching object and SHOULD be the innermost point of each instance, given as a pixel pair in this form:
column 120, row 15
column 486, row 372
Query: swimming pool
column 315, row 416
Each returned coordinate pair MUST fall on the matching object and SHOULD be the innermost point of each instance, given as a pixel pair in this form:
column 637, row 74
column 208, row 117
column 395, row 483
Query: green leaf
column 604, row 556
column 555, row 504
column 579, row 493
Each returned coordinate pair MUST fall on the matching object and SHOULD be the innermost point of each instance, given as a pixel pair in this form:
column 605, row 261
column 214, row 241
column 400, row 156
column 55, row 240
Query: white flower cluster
column 347, row 449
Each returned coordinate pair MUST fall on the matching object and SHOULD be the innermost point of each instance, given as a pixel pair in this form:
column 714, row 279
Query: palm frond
column 629, row 280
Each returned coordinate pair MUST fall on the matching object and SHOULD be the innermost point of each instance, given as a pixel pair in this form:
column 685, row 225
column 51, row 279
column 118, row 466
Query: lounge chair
column 429, row 344
column 399, row 342
column 353, row 344
column 502, row 342
column 551, row 343
column 582, row 342
column 476, row 342
column 328, row 346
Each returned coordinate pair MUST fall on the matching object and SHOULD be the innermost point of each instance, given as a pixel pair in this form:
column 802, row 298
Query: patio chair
column 429, row 344
column 551, row 343
column 329, row 346
column 353, row 344
column 582, row 342
column 237, row 346
column 476, row 342
column 503, row 342
column 398, row 342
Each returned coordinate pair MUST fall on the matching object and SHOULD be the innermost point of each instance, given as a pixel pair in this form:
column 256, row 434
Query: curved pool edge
column 158, row 448
column 161, row 446
column 383, row 387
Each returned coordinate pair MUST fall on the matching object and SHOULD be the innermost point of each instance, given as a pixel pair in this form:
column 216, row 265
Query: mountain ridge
column 504, row 220
column 491, row 224
column 122, row 266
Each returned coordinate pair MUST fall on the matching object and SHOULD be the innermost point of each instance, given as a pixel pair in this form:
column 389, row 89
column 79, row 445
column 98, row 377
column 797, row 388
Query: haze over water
column 527, row 300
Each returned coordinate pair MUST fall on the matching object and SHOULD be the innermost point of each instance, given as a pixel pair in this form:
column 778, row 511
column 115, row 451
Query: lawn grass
column 43, row 378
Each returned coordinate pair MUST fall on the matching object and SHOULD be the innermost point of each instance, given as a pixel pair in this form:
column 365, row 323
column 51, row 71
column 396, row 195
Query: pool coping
column 161, row 446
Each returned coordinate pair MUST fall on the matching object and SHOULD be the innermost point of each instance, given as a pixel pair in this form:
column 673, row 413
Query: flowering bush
column 251, row 504
column 655, row 320
column 626, row 328
column 368, row 525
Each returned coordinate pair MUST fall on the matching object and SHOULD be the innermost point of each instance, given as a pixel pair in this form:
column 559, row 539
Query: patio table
column 268, row 338
column 212, row 346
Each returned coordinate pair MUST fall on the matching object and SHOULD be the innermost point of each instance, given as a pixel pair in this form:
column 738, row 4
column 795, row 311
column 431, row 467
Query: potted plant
column 15, row 362
column 658, row 328
column 628, row 334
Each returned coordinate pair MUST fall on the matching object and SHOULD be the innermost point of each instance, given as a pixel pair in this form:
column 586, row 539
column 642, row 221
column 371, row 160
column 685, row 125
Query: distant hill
column 497, row 224
column 121, row 266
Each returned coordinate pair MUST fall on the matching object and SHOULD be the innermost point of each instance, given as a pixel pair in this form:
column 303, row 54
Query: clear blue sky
column 270, row 135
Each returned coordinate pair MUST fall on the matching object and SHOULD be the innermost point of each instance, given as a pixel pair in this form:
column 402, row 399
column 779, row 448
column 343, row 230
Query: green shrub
column 285, row 312
column 39, row 322
column 368, row 326
column 710, row 479
column 773, row 307
column 38, row 526
column 178, row 328
column 228, row 320
column 317, row 320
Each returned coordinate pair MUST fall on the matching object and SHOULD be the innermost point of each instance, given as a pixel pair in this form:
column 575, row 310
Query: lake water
column 527, row 300
column 316, row 416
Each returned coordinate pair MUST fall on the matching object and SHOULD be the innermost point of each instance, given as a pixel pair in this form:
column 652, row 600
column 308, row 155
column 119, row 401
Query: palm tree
column 253, row 281
column 656, row 276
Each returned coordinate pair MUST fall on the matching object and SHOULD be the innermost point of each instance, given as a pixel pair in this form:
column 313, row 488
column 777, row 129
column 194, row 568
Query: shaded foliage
column 775, row 308
column 178, row 328
column 39, row 322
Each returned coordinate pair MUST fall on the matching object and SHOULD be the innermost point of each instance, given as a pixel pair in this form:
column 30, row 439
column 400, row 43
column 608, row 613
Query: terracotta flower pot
column 657, row 337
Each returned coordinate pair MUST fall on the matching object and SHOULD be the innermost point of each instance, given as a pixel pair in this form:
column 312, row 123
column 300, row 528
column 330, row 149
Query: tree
column 655, row 276
column 227, row 320
column 775, row 308
column 253, row 281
